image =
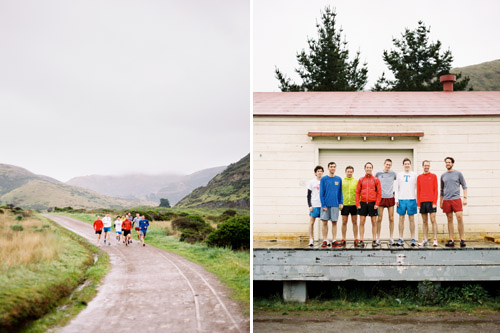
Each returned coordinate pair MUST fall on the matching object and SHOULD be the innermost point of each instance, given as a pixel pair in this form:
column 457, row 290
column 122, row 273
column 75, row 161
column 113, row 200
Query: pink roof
column 376, row 104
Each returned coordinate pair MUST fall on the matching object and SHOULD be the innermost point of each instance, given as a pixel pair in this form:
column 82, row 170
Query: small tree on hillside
column 164, row 203
column 327, row 66
column 417, row 64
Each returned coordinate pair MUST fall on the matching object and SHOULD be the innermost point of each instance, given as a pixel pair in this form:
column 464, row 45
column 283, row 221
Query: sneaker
column 450, row 243
column 425, row 242
column 324, row 244
column 391, row 242
column 435, row 244
column 361, row 244
column 375, row 244
column 311, row 243
column 378, row 241
column 143, row 244
column 401, row 242
column 126, row 244
column 356, row 243
column 104, row 241
column 462, row 243
column 343, row 243
column 328, row 244
column 413, row 242
column 336, row 244
column 109, row 243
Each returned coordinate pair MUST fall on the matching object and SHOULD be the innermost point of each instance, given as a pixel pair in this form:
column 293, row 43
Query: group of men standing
column 328, row 195
column 123, row 226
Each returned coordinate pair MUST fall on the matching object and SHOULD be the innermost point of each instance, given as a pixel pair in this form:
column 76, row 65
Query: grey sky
column 112, row 87
column 281, row 27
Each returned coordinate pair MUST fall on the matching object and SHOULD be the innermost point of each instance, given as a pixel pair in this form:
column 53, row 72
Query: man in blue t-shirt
column 143, row 224
column 330, row 193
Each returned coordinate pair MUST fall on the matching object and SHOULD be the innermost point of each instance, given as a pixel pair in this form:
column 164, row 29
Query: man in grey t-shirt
column 450, row 199
column 387, row 178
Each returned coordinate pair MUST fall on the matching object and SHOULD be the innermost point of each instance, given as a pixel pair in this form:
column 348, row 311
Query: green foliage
column 19, row 218
column 193, row 228
column 327, row 66
column 164, row 203
column 1, row 211
column 417, row 64
column 233, row 233
column 17, row 227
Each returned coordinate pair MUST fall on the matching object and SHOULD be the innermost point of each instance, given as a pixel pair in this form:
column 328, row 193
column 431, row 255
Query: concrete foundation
column 294, row 291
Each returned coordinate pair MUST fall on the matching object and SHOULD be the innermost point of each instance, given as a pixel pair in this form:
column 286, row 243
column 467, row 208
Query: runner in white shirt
column 314, row 201
column 406, row 200
column 118, row 229
column 106, row 222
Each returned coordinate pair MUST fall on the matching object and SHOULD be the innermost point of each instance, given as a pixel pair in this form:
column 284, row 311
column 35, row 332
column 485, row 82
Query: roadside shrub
column 17, row 227
column 19, row 218
column 17, row 209
column 193, row 228
column 1, row 211
column 229, row 212
column 234, row 233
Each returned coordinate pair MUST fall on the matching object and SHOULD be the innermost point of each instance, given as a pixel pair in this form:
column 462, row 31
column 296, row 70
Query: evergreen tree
column 164, row 203
column 417, row 64
column 326, row 67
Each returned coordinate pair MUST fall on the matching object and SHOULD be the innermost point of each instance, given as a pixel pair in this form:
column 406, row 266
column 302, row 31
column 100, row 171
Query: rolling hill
column 230, row 189
column 23, row 188
column 484, row 76
column 147, row 187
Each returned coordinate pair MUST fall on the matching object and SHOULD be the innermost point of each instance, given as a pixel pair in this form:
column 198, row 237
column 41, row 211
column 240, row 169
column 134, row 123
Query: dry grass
column 34, row 244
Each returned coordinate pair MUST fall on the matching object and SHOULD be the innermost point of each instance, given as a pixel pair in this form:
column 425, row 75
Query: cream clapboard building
column 293, row 132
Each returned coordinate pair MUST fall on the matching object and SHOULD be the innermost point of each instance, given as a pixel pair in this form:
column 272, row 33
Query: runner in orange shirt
column 98, row 229
column 427, row 195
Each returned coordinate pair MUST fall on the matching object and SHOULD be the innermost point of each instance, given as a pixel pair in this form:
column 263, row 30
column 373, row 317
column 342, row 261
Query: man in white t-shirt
column 106, row 222
column 314, row 201
column 406, row 200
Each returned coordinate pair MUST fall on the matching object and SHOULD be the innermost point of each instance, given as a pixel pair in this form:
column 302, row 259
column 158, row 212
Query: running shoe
column 462, row 243
column 328, row 244
column 435, row 244
column 391, row 242
column 378, row 241
column 450, row 243
column 356, row 243
column 311, row 243
column 343, row 243
column 361, row 244
column 413, row 242
column 375, row 244
column 336, row 244
column 324, row 244
column 401, row 242
column 126, row 244
column 425, row 243
column 143, row 244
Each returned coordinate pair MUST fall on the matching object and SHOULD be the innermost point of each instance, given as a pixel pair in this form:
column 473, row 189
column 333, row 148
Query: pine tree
column 326, row 67
column 164, row 203
column 417, row 64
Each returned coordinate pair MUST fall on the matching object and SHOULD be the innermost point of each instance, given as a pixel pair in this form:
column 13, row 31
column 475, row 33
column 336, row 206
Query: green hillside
column 230, row 189
column 483, row 77
column 22, row 188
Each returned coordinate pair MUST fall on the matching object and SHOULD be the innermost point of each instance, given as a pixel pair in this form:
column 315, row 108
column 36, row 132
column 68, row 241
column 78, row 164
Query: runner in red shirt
column 127, row 227
column 98, row 229
column 427, row 194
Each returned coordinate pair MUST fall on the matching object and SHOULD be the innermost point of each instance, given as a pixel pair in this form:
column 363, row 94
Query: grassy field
column 231, row 267
column 42, row 265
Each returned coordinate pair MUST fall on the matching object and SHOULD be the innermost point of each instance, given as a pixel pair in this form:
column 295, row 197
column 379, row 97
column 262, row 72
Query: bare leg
column 334, row 230
column 344, row 226
column 412, row 225
column 374, row 227
column 379, row 220
column 324, row 229
column 460, row 222
column 425, row 225
column 311, row 227
column 391, row 221
column 449, row 216
column 401, row 225
column 362, row 227
column 354, row 220
column 434, row 225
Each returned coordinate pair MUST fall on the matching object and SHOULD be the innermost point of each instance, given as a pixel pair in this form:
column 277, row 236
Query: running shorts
column 107, row 229
column 387, row 202
column 426, row 207
column 126, row 233
column 367, row 208
column 98, row 232
column 349, row 210
column 330, row 214
column 407, row 207
column 316, row 212
column 450, row 206
column 137, row 229
column 119, row 232
column 143, row 232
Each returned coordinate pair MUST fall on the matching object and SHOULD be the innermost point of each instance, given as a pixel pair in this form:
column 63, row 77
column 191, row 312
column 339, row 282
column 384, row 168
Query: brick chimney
column 447, row 81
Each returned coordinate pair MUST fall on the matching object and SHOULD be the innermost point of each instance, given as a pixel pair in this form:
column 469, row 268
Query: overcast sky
column 113, row 87
column 281, row 27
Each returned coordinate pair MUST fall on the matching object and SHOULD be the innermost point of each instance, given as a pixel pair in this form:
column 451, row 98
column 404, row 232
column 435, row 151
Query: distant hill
column 483, row 77
column 170, row 186
column 23, row 188
column 230, row 189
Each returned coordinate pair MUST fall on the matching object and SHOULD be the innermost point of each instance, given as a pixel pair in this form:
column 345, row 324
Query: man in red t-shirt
column 98, row 229
column 427, row 194
column 127, row 227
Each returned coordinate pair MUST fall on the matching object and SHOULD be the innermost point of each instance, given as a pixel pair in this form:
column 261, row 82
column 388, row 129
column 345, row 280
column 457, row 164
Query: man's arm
column 465, row 197
column 358, row 192
column 309, row 203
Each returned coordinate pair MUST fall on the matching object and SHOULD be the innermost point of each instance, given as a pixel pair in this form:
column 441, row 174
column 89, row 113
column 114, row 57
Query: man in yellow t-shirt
column 349, row 184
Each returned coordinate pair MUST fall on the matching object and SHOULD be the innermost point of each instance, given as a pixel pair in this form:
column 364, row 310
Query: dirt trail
column 152, row 290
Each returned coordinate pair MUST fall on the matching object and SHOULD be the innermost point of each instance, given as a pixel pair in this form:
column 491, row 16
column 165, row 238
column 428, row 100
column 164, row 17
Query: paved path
column 152, row 290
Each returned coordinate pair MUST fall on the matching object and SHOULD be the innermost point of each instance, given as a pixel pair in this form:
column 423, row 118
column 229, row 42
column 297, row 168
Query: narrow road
column 152, row 290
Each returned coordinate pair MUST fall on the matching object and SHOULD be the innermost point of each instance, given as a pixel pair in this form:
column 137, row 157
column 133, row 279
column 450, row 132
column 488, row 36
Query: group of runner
column 123, row 226
column 328, row 195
